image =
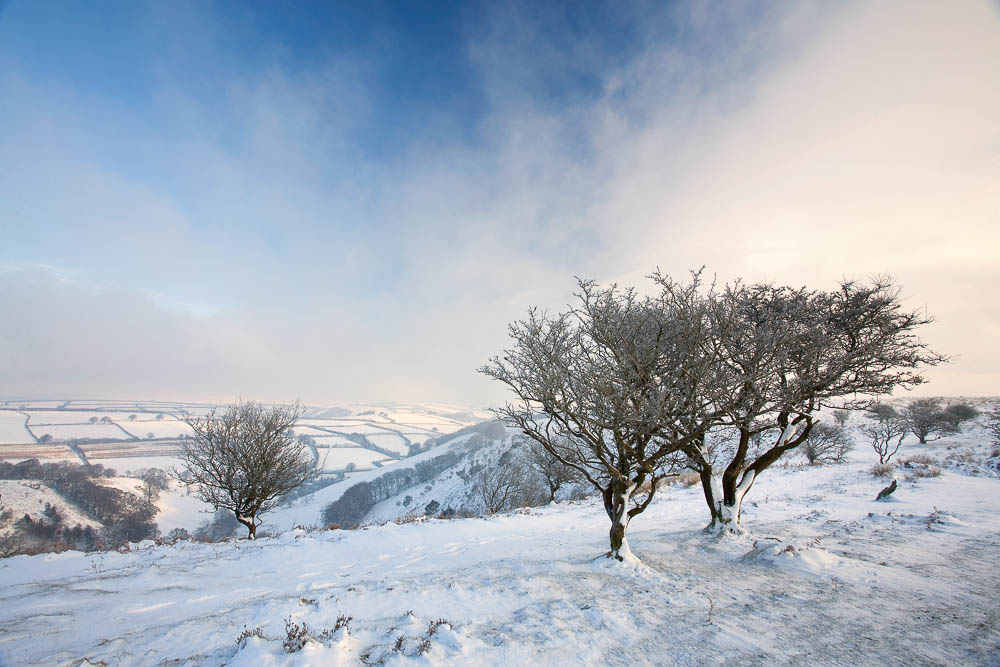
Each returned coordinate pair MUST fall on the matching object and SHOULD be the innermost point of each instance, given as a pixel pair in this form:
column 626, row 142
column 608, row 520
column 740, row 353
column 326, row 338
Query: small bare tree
column 960, row 413
column 500, row 486
column 550, row 469
column 841, row 417
column 244, row 459
column 826, row 443
column 886, row 433
column 993, row 426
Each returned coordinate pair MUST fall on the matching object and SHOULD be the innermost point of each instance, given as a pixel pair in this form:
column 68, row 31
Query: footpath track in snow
column 832, row 578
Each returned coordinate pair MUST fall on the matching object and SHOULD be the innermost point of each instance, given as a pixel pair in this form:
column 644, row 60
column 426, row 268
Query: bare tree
column 784, row 353
column 244, row 459
column 879, row 410
column 554, row 472
column 993, row 426
column 841, row 417
column 500, row 486
column 154, row 480
column 960, row 413
column 925, row 418
column 886, row 433
column 607, row 388
column 826, row 443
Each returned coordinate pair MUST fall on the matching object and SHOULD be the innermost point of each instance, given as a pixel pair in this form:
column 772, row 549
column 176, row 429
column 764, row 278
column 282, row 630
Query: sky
column 340, row 202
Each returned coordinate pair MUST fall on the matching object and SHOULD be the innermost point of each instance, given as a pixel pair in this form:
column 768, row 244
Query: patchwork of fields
column 129, row 435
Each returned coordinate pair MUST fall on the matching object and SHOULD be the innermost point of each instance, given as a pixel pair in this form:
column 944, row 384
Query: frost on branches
column 627, row 389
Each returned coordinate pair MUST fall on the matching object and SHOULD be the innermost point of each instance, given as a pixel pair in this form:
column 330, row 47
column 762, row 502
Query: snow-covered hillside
column 457, row 448
column 827, row 575
column 28, row 497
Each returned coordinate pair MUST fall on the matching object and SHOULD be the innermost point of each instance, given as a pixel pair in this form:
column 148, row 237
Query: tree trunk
column 726, row 516
column 251, row 525
column 615, row 504
column 725, row 512
column 740, row 476
column 706, row 486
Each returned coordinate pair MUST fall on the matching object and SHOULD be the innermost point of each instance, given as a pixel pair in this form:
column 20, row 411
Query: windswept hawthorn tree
column 781, row 354
column 607, row 388
column 622, row 388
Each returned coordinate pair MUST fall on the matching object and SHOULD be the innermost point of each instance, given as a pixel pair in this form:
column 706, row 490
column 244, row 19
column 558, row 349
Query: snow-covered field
column 42, row 418
column 338, row 458
column 391, row 441
column 12, row 430
column 825, row 576
column 166, row 428
column 331, row 440
column 80, row 431
column 129, row 464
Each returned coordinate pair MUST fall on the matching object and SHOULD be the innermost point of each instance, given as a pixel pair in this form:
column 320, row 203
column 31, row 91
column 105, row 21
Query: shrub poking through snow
column 687, row 479
column 248, row 633
column 296, row 636
column 920, row 472
column 434, row 625
column 883, row 469
column 993, row 426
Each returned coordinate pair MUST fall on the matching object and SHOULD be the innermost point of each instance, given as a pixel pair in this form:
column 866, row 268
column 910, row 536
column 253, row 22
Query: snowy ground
column 849, row 581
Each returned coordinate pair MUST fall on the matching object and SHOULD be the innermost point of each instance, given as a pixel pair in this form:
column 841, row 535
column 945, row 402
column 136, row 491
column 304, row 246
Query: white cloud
column 801, row 146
